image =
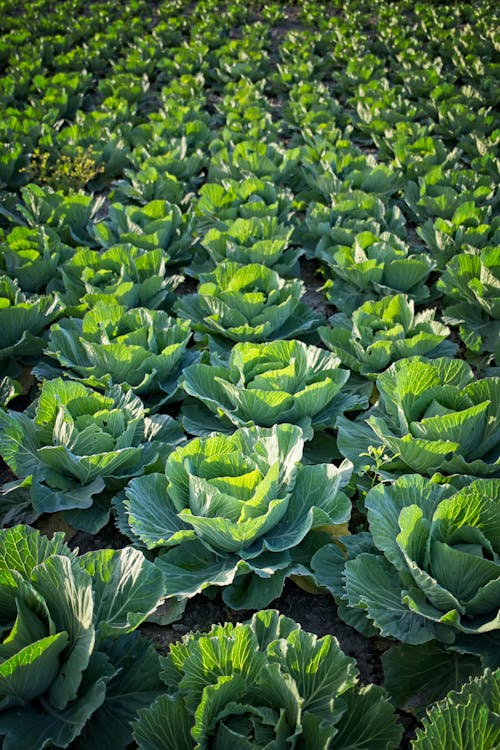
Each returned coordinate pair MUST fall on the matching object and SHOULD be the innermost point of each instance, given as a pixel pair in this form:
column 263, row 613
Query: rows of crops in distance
column 249, row 387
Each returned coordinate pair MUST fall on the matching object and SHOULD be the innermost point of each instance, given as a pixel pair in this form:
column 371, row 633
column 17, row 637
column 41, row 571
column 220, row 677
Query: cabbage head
column 33, row 255
column 24, row 319
column 74, row 443
column 142, row 350
column 431, row 416
column 428, row 570
column 264, row 685
column 253, row 240
column 129, row 275
column 471, row 285
column 233, row 510
column 382, row 331
column 248, row 303
column 70, row 666
column 266, row 384
column 374, row 267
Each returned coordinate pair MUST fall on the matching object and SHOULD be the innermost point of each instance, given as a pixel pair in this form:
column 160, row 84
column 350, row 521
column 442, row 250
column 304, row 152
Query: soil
column 313, row 283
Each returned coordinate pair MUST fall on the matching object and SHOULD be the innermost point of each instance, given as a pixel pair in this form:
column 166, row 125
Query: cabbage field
column 249, row 375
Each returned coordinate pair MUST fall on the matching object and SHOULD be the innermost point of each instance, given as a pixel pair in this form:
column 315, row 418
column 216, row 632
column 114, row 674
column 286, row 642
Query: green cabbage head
column 248, row 303
column 74, row 443
column 24, row 319
column 233, row 510
column 382, row 331
column 266, row 384
column 264, row 685
column 143, row 350
column 428, row 570
column 431, row 416
column 70, row 666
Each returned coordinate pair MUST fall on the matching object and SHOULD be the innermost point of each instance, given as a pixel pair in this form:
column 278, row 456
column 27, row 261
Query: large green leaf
column 416, row 676
column 23, row 548
column 319, row 669
column 30, row 729
column 67, row 592
column 165, row 726
column 136, row 685
column 368, row 721
column 30, row 672
column 372, row 583
column 18, row 443
column 316, row 500
column 126, row 588
column 262, row 585
column 191, row 567
column 151, row 513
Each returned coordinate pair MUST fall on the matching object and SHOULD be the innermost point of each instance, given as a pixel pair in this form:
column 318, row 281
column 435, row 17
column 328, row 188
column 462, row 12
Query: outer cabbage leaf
column 468, row 718
column 126, row 588
column 417, row 676
column 135, row 685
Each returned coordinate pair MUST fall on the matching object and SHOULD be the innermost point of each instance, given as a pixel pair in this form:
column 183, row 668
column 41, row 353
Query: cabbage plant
column 380, row 332
column 68, row 215
column 264, row 684
column 267, row 384
column 373, row 267
column 253, row 240
column 142, row 350
column 469, row 717
column 32, row 256
column 131, row 276
column 246, row 198
column 471, row 285
column 431, row 416
column 70, row 666
column 158, row 224
column 233, row 510
column 429, row 568
column 148, row 184
column 74, row 443
column 24, row 319
column 248, row 303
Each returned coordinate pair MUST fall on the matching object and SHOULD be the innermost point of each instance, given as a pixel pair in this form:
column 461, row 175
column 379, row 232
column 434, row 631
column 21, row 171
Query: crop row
column 169, row 171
